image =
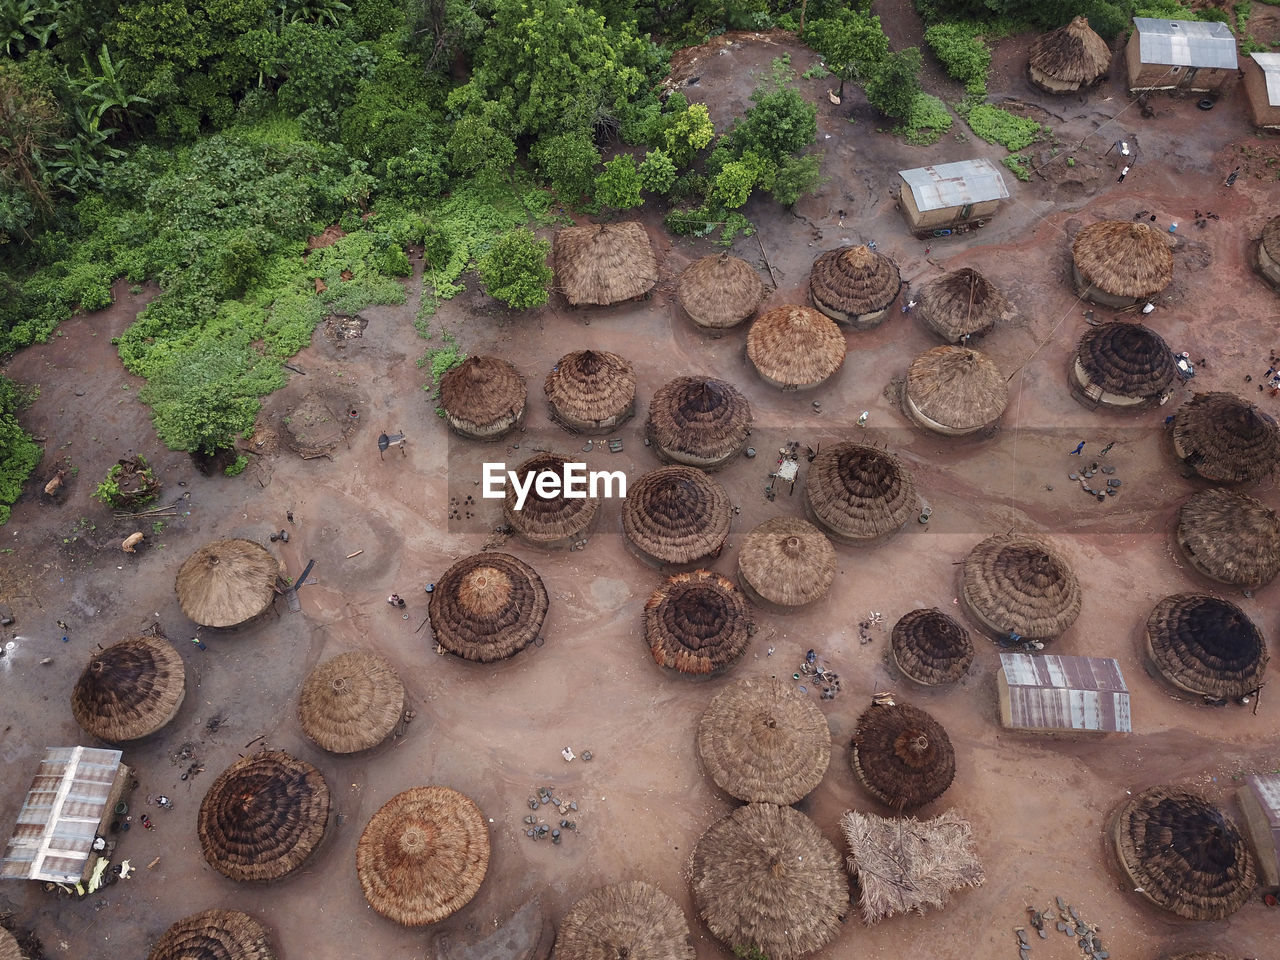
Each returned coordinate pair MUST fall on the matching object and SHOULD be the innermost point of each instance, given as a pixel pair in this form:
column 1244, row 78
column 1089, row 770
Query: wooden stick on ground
column 356, row 554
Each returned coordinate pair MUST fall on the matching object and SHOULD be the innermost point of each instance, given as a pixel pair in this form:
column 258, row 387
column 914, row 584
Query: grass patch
column 928, row 120
column 1019, row 165
column 995, row 125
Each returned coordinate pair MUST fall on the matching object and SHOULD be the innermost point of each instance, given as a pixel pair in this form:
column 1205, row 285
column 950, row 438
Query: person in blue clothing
column 1079, row 447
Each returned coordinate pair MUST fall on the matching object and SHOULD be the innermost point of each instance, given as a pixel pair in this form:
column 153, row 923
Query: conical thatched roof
column 676, row 515
column 1230, row 537
column 859, row 493
column 423, row 855
column 227, row 582
column 795, row 347
column 1072, row 54
column 699, row 421
column 786, row 561
column 351, row 702
column 851, row 283
column 603, row 263
column 1016, row 584
column 487, row 607
column 633, row 921
column 214, row 935
column 1123, row 259
column 1225, row 438
column 1271, row 238
column 761, row 741
column 483, row 397
column 902, row 755
column 960, row 304
column 9, row 949
column 930, row 647
column 546, row 521
column 263, row 816
column 766, row 878
column 955, row 390
column 719, row 291
column 1206, row 645
column 130, row 689
column 590, row 391
column 1183, row 853
column 1197, row 955
column 697, row 623
column 1126, row 360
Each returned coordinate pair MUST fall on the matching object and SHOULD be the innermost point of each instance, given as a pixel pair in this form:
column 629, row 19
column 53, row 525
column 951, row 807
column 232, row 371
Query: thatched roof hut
column 962, row 304
column 214, row 935
column 901, row 755
column 699, row 421
column 854, row 285
column 719, row 291
column 1066, row 59
column 1196, row 955
column 795, row 347
column 786, row 562
column 765, row 878
column 557, row 521
column 1016, row 584
column 351, row 702
column 591, row 391
column 483, row 398
column 263, row 816
column 763, row 742
column 955, row 391
column 1268, row 252
column 130, row 690
column 858, row 493
column 9, row 949
column 931, row 647
column 487, row 607
column 423, row 855
column 676, row 515
column 604, row 263
column 1230, row 537
column 904, row 864
column 697, row 623
column 1118, row 263
column 1125, row 366
column 1226, row 439
column 1207, row 646
column 1182, row 853
column 633, row 920
column 227, row 582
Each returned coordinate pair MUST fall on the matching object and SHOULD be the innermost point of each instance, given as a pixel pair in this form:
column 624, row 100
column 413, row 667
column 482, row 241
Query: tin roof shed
column 1260, row 801
column 1186, row 43
column 1270, row 64
column 1086, row 694
column 947, row 185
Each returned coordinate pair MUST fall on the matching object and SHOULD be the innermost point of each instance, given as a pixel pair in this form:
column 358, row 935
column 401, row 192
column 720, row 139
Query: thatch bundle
column 1226, row 439
column 858, row 493
column 855, row 285
column 1124, row 365
column 676, row 515
column 423, row 855
column 603, row 263
column 633, row 921
column 902, row 755
column 904, row 864
column 1197, row 955
column 483, row 398
column 1118, row 262
column 930, row 647
column 719, row 291
column 487, row 607
column 795, row 347
column 787, row 562
column 214, row 935
column 1183, row 853
column 1268, row 252
column 227, row 582
column 954, row 391
column 130, row 690
column 591, row 391
column 761, row 741
column 697, row 623
column 1206, row 645
column 962, row 304
column 699, row 421
column 549, row 521
column 1230, row 537
column 1066, row 59
column 263, row 816
column 9, row 949
column 765, row 878
column 351, row 702
column 1016, row 584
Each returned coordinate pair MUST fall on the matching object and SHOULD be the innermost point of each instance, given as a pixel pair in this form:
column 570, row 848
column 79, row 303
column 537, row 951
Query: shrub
column 514, row 269
column 568, row 162
column 19, row 454
column 618, row 185
column 236, row 466
column 896, row 84
column 962, row 53
column 1020, row 165
column 657, row 172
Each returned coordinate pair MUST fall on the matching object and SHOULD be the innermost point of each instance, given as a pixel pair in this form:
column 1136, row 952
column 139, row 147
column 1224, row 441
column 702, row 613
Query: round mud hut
column 1182, row 853
column 901, row 755
column 859, row 494
column 483, row 398
column 263, row 816
column 227, row 583
column 676, row 515
column 130, row 690
column 1123, row 366
column 795, row 348
column 624, row 921
column 1230, row 537
column 785, row 563
column 698, row 421
column 1206, row 646
column 487, row 607
column 854, row 285
column 1066, row 59
column 1118, row 263
column 955, row 391
column 351, row 702
column 763, row 742
column 719, row 291
column 1226, row 439
column 765, row 878
column 598, row 264
column 549, row 522
column 1019, row 585
column 961, row 305
column 591, row 391
column 1268, row 252
column 931, row 648
column 697, row 623
column 214, row 935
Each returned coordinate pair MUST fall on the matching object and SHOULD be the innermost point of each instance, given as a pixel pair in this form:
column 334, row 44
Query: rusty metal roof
column 1266, row 787
column 946, row 185
column 1186, row 43
column 1270, row 64
column 1066, row 693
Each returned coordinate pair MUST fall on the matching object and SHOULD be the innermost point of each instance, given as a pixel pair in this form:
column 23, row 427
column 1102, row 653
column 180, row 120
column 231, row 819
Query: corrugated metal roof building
column 951, row 193
column 1180, row 54
column 1260, row 800
column 1062, row 694
column 1262, row 85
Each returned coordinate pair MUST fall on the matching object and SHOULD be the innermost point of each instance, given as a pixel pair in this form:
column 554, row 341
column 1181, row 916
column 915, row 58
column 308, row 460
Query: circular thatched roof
column 214, row 935
column 794, row 347
column 761, row 741
column 676, row 514
column 227, row 582
column 1123, row 259
column 423, row 855
column 860, row 493
column 591, row 390
column 699, row 421
column 1225, row 438
column 1127, row 360
column 1271, row 238
column 930, row 647
column 483, row 396
column 1072, row 54
column 902, row 756
column 850, row 282
column 1183, row 853
column 263, row 816
column 544, row 521
column 960, row 304
column 697, row 623
column 487, row 607
column 719, row 291
column 1206, row 645
column 786, row 561
column 603, row 263
column 1230, row 537
column 1016, row 584
column 631, row 921
column 130, row 689
column 956, row 388
column 351, row 702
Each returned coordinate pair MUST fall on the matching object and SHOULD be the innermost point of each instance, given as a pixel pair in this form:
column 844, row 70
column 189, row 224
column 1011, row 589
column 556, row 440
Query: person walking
column 1107, row 449
column 1078, row 450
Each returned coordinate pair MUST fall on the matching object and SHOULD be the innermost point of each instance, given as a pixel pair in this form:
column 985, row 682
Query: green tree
column 568, row 161
column 205, row 420
column 657, row 172
column 514, row 269
column 852, row 44
column 619, row 184
column 687, row 131
column 780, row 123
column 795, row 177
column 734, row 183
column 30, row 123
column 478, row 146
column 893, row 88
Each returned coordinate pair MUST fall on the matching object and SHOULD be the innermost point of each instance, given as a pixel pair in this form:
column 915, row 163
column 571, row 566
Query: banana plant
column 106, row 89
column 311, row 11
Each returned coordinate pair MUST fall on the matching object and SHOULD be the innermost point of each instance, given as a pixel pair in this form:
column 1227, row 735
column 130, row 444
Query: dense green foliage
column 514, row 269
column 960, row 49
column 1000, row 126
column 19, row 454
column 896, row 84
column 852, row 44
column 926, row 120
column 1106, row 17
